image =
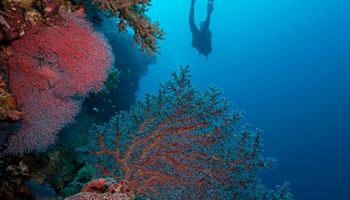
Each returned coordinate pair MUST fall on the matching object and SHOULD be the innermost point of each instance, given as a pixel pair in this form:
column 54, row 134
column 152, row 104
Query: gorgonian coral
column 182, row 143
column 47, row 68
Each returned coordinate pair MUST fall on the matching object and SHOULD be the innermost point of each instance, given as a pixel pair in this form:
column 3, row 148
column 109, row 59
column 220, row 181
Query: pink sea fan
column 48, row 67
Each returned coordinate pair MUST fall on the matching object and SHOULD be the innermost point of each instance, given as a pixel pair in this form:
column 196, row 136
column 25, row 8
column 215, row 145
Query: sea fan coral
column 181, row 144
column 48, row 67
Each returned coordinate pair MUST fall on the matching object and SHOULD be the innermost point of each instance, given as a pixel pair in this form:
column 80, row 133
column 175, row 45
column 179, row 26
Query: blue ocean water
column 287, row 64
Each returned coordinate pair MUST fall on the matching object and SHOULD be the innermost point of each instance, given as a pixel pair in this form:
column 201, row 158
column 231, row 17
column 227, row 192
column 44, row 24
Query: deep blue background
column 287, row 64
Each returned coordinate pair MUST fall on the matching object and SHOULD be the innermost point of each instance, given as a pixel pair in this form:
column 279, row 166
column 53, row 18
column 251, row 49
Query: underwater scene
column 185, row 99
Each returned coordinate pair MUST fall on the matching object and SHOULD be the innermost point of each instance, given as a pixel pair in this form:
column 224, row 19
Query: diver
column 201, row 38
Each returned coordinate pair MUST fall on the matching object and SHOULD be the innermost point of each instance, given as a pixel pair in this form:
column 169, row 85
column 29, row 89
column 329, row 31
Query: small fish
column 95, row 109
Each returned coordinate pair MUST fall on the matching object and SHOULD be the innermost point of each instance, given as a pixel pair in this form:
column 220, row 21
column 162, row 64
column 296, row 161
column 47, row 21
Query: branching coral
column 132, row 13
column 181, row 144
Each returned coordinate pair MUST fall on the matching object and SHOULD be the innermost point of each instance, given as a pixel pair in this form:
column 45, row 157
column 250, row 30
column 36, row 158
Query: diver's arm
column 193, row 26
column 210, row 9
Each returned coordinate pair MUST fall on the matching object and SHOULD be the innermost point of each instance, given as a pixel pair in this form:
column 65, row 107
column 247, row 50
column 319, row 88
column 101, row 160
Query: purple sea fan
column 181, row 143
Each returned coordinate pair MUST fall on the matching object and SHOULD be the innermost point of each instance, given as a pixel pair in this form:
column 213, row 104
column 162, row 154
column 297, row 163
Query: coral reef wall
column 130, row 63
column 132, row 66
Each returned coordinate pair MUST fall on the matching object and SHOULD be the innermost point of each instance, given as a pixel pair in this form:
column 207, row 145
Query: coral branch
column 132, row 13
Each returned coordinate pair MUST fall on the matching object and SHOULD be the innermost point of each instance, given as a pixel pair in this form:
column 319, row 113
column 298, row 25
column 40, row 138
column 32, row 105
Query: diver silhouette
column 201, row 38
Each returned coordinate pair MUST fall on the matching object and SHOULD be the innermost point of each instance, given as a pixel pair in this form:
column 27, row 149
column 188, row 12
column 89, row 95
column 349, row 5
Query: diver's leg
column 210, row 8
column 193, row 25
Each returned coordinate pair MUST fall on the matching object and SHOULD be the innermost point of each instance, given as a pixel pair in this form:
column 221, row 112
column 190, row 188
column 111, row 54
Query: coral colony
column 180, row 143
column 131, row 13
column 45, row 77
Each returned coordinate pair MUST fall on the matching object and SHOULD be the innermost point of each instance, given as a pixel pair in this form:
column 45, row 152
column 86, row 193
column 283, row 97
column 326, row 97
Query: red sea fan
column 181, row 143
column 49, row 67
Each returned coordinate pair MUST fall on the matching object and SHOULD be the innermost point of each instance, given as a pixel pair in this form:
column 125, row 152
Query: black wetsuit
column 201, row 38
